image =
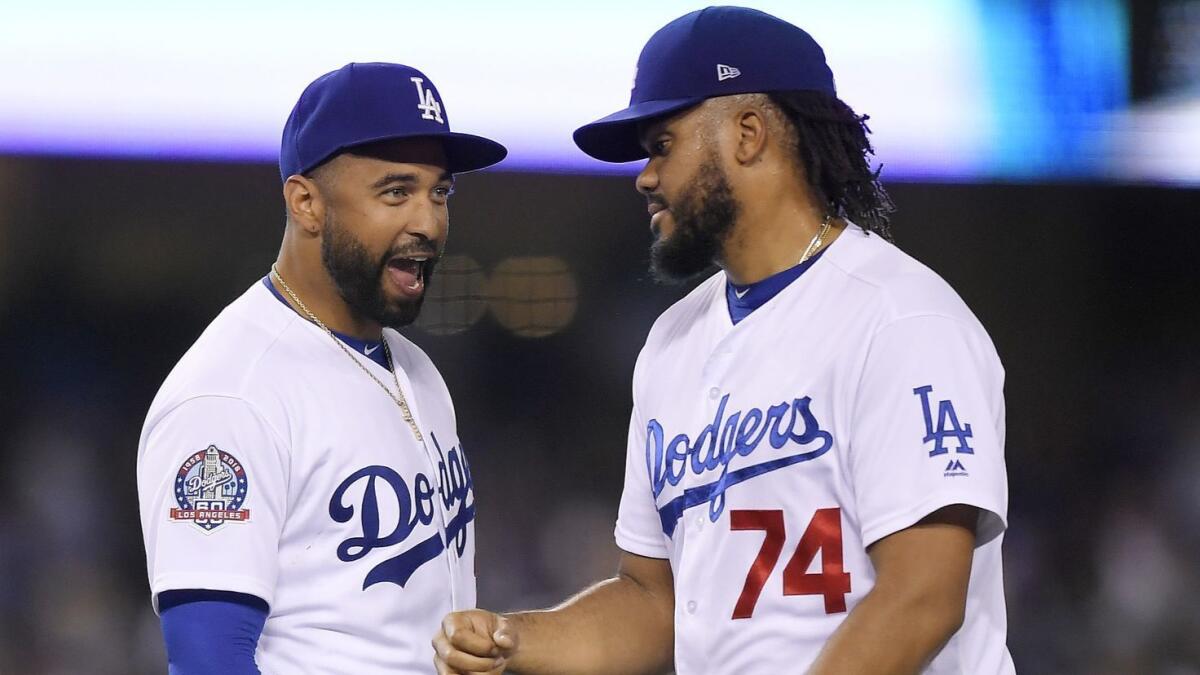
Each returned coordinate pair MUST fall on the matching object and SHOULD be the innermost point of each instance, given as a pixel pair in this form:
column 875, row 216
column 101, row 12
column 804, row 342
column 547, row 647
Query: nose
column 647, row 180
column 428, row 220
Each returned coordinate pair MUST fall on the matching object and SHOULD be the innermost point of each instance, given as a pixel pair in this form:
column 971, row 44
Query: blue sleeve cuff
column 211, row 632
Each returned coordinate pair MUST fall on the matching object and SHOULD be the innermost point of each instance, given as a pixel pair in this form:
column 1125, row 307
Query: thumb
column 505, row 635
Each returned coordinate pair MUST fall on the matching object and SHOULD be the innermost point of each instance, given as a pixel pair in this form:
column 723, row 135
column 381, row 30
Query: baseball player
column 305, row 501
column 815, row 477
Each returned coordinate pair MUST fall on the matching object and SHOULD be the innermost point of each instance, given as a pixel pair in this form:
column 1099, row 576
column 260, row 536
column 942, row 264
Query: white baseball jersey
column 272, row 465
column 764, row 457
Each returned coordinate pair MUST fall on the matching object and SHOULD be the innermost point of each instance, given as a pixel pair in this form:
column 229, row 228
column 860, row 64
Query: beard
column 359, row 278
column 704, row 216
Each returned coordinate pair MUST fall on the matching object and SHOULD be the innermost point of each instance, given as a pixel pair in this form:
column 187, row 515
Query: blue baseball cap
column 367, row 102
column 716, row 51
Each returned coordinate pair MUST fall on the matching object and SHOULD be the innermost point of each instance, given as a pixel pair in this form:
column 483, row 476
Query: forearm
column 889, row 634
column 616, row 626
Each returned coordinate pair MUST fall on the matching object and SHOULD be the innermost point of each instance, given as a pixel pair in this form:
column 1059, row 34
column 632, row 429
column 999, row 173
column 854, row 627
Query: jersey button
column 691, row 607
column 714, row 393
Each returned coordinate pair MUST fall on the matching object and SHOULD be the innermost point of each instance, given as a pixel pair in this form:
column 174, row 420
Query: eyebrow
column 409, row 178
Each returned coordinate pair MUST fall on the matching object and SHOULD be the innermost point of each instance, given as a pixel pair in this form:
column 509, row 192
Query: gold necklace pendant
column 818, row 240
column 398, row 397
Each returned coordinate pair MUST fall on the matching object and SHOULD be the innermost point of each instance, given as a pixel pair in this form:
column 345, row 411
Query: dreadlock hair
column 832, row 147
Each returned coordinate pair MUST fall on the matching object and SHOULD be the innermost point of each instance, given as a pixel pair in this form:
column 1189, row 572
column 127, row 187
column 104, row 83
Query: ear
column 305, row 204
column 751, row 129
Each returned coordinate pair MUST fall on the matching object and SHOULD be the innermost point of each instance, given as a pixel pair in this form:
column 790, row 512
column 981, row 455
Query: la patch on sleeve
column 948, row 427
column 210, row 488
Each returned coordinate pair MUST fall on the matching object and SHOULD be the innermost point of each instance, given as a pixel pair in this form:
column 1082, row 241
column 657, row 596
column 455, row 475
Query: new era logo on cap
column 675, row 72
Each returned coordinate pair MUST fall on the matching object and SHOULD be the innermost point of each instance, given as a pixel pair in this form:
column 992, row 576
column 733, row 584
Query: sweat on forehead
column 657, row 125
column 712, row 111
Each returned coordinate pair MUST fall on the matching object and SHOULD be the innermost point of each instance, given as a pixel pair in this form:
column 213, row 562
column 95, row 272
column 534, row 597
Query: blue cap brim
column 615, row 138
column 464, row 152
column 467, row 152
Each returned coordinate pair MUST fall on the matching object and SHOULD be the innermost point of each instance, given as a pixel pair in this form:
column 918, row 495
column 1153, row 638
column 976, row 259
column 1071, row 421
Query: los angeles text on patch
column 210, row 488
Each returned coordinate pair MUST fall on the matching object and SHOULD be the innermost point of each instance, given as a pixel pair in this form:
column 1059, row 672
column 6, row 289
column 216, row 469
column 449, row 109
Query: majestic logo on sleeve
column 948, row 427
column 210, row 488
column 719, row 443
column 415, row 507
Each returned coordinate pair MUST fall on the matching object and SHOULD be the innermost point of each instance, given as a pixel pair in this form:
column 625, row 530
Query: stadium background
column 1084, row 273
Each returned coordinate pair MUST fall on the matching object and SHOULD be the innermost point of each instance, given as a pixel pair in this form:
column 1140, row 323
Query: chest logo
column 948, row 426
column 416, row 508
column 710, row 453
column 210, row 488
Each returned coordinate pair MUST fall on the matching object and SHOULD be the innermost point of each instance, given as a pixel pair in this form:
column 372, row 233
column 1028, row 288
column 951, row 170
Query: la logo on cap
column 426, row 103
column 725, row 72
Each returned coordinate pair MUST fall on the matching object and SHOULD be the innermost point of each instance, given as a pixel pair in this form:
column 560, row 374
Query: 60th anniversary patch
column 210, row 488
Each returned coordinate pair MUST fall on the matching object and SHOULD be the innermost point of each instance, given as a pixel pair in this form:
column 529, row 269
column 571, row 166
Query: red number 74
column 824, row 534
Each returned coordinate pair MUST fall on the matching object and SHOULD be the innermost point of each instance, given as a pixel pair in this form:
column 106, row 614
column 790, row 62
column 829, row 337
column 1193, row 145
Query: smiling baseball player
column 305, row 501
column 815, row 475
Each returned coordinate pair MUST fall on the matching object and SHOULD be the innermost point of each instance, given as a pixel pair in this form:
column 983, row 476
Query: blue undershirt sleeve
column 211, row 632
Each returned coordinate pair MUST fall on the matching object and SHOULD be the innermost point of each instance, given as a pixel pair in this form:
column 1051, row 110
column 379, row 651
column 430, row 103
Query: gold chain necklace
column 399, row 400
column 818, row 240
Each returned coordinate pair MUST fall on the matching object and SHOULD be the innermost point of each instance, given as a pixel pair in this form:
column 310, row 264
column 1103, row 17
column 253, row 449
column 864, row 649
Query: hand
column 474, row 641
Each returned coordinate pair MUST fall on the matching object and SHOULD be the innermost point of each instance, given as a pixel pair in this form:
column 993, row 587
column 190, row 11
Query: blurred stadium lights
column 533, row 296
column 456, row 297
column 973, row 90
column 530, row 297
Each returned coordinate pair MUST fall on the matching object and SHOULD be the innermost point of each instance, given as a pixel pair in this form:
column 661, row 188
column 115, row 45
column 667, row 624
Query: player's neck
column 317, row 291
column 771, row 235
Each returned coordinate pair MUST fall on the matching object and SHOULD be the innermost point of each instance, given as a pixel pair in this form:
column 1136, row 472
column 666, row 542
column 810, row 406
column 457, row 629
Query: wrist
column 515, row 624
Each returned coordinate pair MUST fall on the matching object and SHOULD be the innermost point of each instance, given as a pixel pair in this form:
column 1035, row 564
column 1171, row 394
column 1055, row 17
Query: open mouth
column 408, row 274
column 656, row 222
column 656, row 209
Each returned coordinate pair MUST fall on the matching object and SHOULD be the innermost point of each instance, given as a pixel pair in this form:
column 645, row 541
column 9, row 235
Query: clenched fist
column 473, row 641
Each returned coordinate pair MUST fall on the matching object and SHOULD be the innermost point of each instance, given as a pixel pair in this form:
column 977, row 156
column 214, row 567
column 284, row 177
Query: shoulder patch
column 210, row 488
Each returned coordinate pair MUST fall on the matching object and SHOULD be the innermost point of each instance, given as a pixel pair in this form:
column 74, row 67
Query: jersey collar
column 371, row 349
column 744, row 299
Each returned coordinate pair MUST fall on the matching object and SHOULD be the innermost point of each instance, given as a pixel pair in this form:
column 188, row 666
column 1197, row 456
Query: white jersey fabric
column 764, row 457
column 272, row 465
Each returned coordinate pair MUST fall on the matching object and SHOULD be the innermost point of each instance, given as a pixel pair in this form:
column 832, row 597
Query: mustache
column 423, row 247
column 656, row 199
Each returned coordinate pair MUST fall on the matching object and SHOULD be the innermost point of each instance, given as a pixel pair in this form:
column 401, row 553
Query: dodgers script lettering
column 416, row 509
column 719, row 443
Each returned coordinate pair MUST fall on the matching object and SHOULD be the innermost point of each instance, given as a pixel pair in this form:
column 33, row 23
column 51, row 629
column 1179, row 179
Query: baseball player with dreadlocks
column 815, row 476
